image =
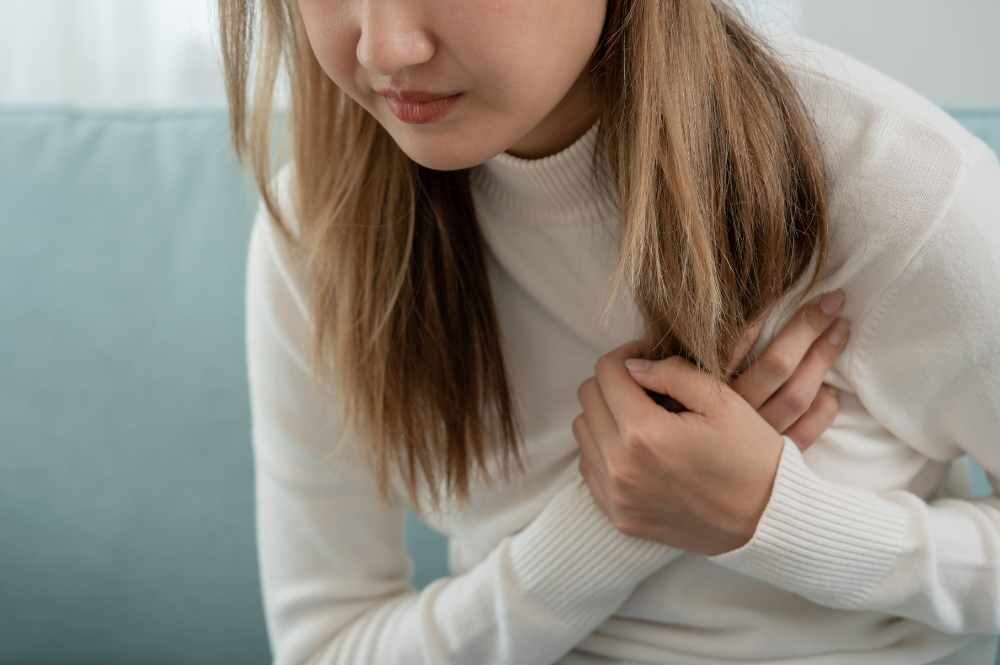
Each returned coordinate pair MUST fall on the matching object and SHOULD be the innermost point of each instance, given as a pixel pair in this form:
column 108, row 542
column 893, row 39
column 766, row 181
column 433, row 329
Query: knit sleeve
column 333, row 568
column 927, row 367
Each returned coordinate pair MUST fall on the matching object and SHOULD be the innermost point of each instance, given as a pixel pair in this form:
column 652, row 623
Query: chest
column 552, row 333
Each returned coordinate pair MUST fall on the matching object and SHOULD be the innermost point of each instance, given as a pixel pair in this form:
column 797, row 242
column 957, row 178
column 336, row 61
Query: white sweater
column 864, row 553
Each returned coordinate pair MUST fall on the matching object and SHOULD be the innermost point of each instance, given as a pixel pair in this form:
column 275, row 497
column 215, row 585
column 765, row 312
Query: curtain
column 110, row 53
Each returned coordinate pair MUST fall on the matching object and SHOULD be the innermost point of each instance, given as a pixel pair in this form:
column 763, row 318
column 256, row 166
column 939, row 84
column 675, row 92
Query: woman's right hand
column 785, row 382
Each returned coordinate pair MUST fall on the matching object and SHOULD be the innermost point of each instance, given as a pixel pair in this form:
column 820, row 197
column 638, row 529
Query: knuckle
column 796, row 399
column 815, row 317
column 603, row 363
column 633, row 437
column 621, row 475
column 616, row 476
column 581, row 391
column 777, row 364
column 808, row 429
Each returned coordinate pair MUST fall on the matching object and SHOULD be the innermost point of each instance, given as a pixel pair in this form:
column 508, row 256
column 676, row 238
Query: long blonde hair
column 711, row 152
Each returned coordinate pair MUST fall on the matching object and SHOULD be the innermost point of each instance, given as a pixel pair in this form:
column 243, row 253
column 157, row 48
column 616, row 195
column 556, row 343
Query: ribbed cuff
column 831, row 543
column 573, row 558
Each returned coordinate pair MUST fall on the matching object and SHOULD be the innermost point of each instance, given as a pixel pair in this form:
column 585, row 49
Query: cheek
column 330, row 41
column 514, row 45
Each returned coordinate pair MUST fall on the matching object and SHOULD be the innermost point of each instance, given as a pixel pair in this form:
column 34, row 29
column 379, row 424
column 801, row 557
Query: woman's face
column 520, row 65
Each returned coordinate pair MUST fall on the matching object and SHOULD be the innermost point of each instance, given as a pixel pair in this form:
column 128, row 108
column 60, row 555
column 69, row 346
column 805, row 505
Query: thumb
column 680, row 379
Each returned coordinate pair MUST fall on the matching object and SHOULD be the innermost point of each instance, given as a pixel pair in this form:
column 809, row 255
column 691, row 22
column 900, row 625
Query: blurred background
column 126, row 476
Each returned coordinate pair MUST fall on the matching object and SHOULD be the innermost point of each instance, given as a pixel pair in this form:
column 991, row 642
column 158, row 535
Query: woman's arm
column 333, row 566
column 927, row 366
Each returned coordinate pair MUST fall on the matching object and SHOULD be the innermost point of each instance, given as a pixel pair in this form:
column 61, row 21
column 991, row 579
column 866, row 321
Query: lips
column 419, row 113
column 415, row 96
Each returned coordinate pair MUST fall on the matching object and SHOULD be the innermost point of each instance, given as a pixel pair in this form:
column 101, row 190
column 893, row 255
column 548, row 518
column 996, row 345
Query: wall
column 948, row 51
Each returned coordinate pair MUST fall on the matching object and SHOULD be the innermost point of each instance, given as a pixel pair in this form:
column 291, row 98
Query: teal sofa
column 126, row 473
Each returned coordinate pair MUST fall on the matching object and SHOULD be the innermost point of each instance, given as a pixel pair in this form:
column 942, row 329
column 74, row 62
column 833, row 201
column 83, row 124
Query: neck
column 560, row 187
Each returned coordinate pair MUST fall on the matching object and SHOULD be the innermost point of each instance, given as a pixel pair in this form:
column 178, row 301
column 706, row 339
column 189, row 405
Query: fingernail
column 839, row 332
column 832, row 301
column 638, row 364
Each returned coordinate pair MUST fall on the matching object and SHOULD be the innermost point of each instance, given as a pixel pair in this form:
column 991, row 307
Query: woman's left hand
column 697, row 480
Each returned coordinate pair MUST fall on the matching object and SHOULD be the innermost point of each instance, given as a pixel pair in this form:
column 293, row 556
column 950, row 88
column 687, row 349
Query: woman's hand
column 700, row 480
column 785, row 383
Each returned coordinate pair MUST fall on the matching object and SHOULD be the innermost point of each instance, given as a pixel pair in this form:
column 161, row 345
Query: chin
column 446, row 164
column 437, row 159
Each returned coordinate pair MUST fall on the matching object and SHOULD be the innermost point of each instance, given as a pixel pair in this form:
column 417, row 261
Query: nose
column 392, row 37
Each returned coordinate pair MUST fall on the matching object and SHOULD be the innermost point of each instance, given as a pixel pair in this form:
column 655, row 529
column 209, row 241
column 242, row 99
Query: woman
column 422, row 280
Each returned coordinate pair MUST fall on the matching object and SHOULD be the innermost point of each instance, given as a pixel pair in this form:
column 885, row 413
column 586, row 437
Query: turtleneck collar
column 557, row 188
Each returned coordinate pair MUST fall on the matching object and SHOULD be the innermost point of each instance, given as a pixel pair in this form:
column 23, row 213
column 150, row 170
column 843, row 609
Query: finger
column 596, row 414
column 747, row 341
column 816, row 420
column 626, row 399
column 589, row 454
column 778, row 361
column 591, row 463
column 794, row 398
column 685, row 382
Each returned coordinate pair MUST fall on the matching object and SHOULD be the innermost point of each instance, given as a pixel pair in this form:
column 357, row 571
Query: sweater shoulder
column 894, row 161
column 878, row 136
column 850, row 99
